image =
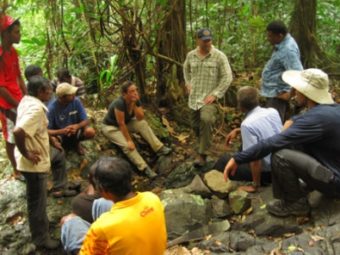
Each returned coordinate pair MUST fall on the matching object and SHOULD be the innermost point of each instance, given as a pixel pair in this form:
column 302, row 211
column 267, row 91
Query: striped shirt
column 209, row 75
column 259, row 124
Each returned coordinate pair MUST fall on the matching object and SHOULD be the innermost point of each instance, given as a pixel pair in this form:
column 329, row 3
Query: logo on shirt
column 73, row 112
column 146, row 211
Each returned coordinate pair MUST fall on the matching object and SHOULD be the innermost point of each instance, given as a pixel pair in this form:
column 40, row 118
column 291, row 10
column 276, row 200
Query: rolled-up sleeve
column 31, row 121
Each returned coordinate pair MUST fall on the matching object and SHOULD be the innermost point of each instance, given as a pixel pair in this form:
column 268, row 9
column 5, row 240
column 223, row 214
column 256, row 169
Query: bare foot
column 248, row 188
column 18, row 176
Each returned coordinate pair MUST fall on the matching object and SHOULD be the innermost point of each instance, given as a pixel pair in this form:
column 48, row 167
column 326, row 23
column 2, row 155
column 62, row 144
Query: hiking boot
column 163, row 151
column 281, row 208
column 149, row 172
column 49, row 244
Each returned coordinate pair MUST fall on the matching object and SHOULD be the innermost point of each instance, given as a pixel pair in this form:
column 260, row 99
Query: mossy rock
column 156, row 125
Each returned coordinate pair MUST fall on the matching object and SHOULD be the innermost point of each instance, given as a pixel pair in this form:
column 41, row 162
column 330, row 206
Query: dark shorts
column 69, row 142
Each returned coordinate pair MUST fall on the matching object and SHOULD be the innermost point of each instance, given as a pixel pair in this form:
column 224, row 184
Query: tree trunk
column 303, row 29
column 171, row 43
column 134, row 48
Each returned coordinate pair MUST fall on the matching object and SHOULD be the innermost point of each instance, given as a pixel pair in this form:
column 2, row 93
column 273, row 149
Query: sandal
column 64, row 193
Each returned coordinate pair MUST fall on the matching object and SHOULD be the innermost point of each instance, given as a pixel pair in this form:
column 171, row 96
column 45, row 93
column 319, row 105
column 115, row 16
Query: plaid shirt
column 210, row 75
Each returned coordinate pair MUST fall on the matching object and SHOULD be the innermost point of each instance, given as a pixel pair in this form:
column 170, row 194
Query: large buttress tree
column 171, row 43
column 303, row 28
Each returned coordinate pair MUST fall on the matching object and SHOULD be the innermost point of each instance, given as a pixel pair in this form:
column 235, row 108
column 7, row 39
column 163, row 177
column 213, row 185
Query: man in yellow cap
column 68, row 119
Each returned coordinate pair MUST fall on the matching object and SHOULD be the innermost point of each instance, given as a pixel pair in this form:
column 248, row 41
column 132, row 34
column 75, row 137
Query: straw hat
column 312, row 83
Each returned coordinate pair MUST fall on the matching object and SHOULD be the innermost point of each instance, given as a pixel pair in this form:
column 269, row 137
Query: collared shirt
column 9, row 73
column 32, row 119
column 286, row 56
column 132, row 227
column 260, row 123
column 210, row 75
column 61, row 116
column 316, row 132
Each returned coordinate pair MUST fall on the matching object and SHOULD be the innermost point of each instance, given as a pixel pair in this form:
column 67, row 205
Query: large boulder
column 181, row 176
column 220, row 208
column 239, row 201
column 197, row 187
column 215, row 181
column 184, row 212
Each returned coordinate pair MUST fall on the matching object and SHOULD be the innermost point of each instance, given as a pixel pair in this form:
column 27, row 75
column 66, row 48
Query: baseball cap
column 204, row 34
column 64, row 89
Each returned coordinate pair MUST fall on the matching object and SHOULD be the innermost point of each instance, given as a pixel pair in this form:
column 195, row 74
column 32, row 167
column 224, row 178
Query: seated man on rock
column 134, row 225
column 126, row 115
column 314, row 135
column 260, row 123
column 87, row 206
column 67, row 119
column 82, row 204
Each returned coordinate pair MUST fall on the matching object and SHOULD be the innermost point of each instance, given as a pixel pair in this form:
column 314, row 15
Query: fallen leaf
column 167, row 125
column 292, row 248
column 317, row 238
column 182, row 137
column 302, row 220
column 289, row 234
column 277, row 250
column 248, row 211
column 263, row 206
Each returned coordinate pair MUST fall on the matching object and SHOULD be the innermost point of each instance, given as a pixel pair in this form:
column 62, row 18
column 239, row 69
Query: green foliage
column 328, row 14
column 107, row 76
column 88, row 36
column 238, row 27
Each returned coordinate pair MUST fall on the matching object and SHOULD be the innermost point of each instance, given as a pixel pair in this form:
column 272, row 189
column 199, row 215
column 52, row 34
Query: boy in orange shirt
column 135, row 225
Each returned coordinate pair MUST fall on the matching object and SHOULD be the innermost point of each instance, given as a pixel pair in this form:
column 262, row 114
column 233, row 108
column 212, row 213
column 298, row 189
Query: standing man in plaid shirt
column 207, row 74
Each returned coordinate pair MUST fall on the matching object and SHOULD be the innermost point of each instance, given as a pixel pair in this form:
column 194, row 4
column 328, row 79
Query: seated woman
column 126, row 115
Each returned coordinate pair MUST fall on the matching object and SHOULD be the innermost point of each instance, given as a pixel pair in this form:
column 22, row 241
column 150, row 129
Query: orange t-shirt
column 132, row 227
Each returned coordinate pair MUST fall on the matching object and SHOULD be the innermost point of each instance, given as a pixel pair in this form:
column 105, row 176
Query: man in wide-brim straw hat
column 315, row 136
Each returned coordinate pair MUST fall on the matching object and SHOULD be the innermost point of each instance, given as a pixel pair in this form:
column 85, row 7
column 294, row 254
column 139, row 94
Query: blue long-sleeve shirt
column 317, row 132
column 286, row 56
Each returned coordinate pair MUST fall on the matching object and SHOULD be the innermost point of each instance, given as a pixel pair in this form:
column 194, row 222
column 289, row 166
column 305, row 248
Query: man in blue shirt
column 259, row 123
column 285, row 56
column 67, row 118
column 315, row 136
